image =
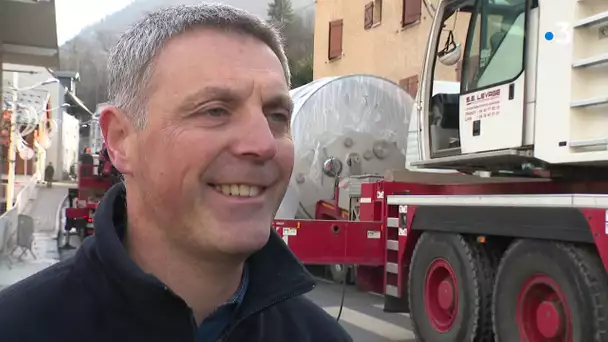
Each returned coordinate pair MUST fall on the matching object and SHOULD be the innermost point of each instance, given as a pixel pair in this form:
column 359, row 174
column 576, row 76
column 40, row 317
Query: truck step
column 589, row 143
column 392, row 245
column 596, row 19
column 601, row 59
column 392, row 291
column 594, row 101
column 589, row 81
column 392, row 267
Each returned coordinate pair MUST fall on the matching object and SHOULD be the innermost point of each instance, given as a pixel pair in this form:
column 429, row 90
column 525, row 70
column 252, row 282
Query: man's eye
column 216, row 112
column 279, row 117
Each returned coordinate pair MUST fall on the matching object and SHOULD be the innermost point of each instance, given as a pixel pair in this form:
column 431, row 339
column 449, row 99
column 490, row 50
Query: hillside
column 121, row 20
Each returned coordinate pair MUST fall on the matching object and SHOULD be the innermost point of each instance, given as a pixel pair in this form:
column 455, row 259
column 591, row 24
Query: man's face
column 214, row 159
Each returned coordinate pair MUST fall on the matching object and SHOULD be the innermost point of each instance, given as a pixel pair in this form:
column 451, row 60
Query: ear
column 118, row 134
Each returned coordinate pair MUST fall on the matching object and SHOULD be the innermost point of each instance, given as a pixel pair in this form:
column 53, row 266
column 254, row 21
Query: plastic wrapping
column 357, row 117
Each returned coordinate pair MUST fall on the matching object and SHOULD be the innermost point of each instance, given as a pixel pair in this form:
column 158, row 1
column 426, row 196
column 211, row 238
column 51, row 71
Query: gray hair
column 131, row 61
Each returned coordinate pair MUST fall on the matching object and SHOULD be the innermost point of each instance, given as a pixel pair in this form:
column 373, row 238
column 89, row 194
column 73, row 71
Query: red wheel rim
column 441, row 295
column 543, row 313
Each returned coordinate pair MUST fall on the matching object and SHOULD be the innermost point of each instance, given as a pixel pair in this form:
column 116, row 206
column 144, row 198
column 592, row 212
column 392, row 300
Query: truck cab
column 533, row 90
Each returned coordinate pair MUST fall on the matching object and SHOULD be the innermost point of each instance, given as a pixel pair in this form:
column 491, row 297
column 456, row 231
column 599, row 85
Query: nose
column 255, row 138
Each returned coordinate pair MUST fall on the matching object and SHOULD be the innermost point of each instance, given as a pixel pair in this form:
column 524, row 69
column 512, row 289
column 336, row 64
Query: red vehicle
column 513, row 247
column 95, row 176
column 440, row 245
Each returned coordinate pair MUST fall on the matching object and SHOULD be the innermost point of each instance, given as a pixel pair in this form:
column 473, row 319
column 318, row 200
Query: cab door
column 492, row 101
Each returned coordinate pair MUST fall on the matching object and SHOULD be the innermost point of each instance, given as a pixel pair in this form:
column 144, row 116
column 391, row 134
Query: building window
column 410, row 85
column 335, row 39
column 377, row 12
column 368, row 20
column 412, row 12
column 373, row 14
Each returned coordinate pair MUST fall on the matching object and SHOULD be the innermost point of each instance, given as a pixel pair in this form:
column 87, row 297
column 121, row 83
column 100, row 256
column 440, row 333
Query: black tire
column 578, row 272
column 473, row 269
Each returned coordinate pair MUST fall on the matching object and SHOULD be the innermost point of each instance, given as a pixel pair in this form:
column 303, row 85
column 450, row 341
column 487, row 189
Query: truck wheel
column 550, row 291
column 450, row 289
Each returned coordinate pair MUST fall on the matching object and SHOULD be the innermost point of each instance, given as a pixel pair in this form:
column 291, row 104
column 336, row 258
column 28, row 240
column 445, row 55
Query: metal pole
column 10, row 186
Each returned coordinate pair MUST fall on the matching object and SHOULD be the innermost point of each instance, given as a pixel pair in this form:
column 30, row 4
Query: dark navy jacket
column 101, row 295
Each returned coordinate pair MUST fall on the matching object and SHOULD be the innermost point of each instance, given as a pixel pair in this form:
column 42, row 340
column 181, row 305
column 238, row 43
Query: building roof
column 76, row 104
column 67, row 74
column 28, row 32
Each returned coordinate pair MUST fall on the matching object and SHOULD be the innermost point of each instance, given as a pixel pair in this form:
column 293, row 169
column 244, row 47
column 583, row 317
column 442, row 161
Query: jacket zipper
column 294, row 294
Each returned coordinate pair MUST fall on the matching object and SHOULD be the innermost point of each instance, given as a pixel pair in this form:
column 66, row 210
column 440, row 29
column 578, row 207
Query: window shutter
column 412, row 12
column 413, row 86
column 368, row 21
column 335, row 39
column 410, row 85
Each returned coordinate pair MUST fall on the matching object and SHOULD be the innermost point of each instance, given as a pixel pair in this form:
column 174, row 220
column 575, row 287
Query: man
column 87, row 163
column 199, row 128
column 73, row 174
column 49, row 172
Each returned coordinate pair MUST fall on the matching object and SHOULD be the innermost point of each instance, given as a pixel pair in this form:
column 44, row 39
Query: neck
column 202, row 283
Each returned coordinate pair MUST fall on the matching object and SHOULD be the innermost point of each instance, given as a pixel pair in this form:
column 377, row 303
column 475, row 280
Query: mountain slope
column 121, row 20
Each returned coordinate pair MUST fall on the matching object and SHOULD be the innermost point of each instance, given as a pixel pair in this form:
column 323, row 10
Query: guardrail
column 8, row 220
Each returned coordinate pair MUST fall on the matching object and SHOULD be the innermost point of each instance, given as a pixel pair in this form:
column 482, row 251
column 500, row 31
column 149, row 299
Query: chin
column 246, row 241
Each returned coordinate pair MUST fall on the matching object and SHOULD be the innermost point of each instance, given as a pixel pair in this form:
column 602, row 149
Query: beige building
column 384, row 38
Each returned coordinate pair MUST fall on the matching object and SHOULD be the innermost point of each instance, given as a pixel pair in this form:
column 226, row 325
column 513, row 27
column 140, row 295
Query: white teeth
column 254, row 191
column 234, row 190
column 242, row 190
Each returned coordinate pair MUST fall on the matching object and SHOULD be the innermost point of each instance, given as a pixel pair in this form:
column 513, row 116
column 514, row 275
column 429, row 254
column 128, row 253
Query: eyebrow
column 206, row 93
column 279, row 101
column 192, row 101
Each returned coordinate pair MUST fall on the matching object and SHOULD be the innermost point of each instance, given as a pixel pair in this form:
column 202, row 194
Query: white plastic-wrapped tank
column 361, row 120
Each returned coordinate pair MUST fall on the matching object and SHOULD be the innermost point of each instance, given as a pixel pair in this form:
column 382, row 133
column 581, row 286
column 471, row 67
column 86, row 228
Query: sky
column 74, row 15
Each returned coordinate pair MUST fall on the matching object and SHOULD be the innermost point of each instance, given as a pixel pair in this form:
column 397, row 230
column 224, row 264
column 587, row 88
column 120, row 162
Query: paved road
column 43, row 211
column 362, row 315
column 44, row 207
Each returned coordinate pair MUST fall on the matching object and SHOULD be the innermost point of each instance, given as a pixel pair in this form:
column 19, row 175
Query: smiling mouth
column 239, row 190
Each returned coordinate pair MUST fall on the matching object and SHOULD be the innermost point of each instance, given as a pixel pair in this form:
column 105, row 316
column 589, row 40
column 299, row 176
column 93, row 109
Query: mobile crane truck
column 96, row 175
column 520, row 254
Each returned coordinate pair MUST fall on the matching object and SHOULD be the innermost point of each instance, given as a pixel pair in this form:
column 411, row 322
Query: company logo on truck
column 487, row 95
column 482, row 105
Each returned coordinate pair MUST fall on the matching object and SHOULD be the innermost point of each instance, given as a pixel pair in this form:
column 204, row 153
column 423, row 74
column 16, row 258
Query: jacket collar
column 275, row 274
